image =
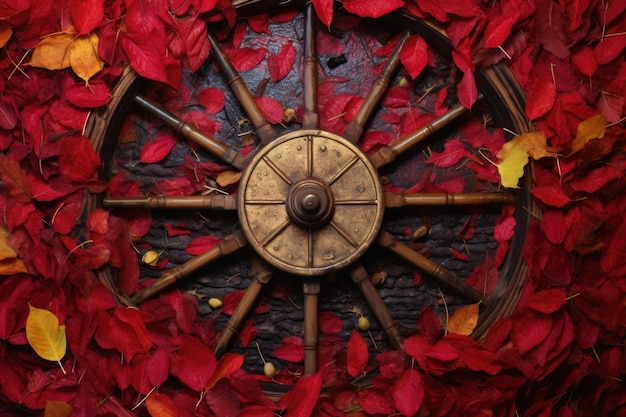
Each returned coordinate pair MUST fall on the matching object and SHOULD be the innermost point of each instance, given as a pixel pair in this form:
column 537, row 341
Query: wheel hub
column 310, row 203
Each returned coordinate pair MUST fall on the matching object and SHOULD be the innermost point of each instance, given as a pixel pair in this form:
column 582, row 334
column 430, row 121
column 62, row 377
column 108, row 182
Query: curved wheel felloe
column 310, row 203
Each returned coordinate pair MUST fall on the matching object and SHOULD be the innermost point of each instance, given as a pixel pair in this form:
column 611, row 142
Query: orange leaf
column 227, row 364
column 57, row 409
column 161, row 405
column 84, row 58
column 535, row 144
column 464, row 320
column 52, row 52
column 5, row 32
column 591, row 128
column 227, row 178
column 9, row 262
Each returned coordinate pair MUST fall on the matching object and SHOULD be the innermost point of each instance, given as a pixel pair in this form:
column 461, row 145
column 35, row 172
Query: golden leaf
column 9, row 262
column 57, row 409
column 513, row 158
column 227, row 178
column 84, row 58
column 464, row 320
column 5, row 32
column 591, row 128
column 45, row 335
column 52, row 52
column 535, row 144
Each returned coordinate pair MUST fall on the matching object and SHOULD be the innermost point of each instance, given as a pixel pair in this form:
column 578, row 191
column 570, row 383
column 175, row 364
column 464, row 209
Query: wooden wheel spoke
column 263, row 128
column 225, row 153
column 390, row 152
column 230, row 244
column 378, row 306
column 445, row 276
column 446, row 199
column 354, row 130
column 187, row 202
column 261, row 277
column 311, row 289
column 310, row 118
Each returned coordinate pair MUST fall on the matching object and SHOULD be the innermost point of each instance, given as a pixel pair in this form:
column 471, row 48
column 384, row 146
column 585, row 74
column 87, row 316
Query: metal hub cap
column 310, row 203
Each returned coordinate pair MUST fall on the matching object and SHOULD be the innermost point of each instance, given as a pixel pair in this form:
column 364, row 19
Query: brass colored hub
column 310, row 203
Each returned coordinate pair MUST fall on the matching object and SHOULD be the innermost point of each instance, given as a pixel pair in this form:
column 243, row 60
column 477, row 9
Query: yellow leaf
column 5, row 32
column 57, row 409
column 592, row 128
column 535, row 144
column 45, row 335
column 52, row 52
column 9, row 262
column 228, row 177
column 513, row 158
column 84, row 58
column 464, row 320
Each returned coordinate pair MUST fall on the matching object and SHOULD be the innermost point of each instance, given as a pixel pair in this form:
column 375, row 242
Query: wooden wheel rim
column 501, row 91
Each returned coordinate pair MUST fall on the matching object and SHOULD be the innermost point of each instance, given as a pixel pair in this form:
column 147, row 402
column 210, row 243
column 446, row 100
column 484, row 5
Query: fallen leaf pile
column 560, row 354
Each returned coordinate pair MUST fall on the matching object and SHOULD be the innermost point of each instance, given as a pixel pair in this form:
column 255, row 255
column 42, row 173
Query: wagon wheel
column 311, row 204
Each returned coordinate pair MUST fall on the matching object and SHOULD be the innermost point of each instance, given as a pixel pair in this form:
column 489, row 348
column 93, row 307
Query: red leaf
column 530, row 330
column 302, row 397
column 454, row 151
column 271, row 108
column 245, row 59
column 610, row 48
column 280, row 64
column 396, row 97
column 585, row 61
column 95, row 95
column 230, row 301
column 78, row 160
column 67, row 215
column 86, row 14
column 459, row 255
column 373, row 9
column 555, row 225
column 374, row 402
column 146, row 53
column 98, row 221
column 247, row 333
column 498, row 29
column 202, row 244
column 193, row 363
column 8, row 117
column 14, row 179
column 260, row 23
column 227, row 364
column 408, row 392
column 551, row 195
column 156, row 150
column 324, row 10
column 358, row 354
column 548, row 301
column 504, row 229
column 414, row 55
column 292, row 349
column 212, row 99
column 330, row 323
column 352, row 108
column 541, row 98
column 468, row 93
